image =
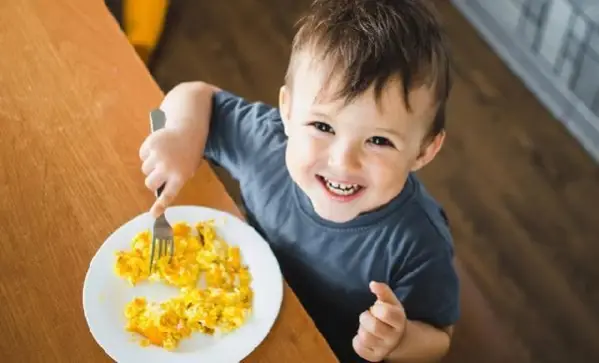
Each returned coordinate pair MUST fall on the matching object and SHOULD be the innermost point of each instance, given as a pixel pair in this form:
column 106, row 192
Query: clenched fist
column 169, row 156
column 382, row 326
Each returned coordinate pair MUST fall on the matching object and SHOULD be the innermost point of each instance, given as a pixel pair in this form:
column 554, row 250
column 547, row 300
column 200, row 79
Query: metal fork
column 162, row 236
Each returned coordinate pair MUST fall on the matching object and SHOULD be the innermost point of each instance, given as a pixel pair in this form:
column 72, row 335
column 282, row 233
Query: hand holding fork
column 162, row 236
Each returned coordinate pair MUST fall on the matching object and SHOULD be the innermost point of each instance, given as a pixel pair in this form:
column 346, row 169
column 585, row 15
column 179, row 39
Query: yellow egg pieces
column 200, row 258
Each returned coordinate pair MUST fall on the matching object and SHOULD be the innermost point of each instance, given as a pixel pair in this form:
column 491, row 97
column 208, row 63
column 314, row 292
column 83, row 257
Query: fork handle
column 159, row 190
column 157, row 119
column 157, row 122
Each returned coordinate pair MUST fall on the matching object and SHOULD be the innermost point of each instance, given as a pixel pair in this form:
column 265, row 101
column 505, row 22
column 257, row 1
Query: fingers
column 149, row 163
column 375, row 338
column 391, row 315
column 369, row 339
column 156, row 178
column 163, row 163
column 171, row 189
column 374, row 326
column 145, row 148
column 157, row 209
column 384, row 293
column 382, row 326
column 363, row 350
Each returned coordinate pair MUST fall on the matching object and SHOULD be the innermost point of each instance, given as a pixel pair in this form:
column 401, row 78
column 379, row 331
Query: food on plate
column 215, row 287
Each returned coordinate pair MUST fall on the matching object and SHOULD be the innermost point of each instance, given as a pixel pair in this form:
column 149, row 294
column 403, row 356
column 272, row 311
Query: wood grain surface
column 74, row 102
column 520, row 192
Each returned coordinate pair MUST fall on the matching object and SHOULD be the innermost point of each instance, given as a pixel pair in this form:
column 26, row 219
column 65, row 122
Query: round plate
column 105, row 294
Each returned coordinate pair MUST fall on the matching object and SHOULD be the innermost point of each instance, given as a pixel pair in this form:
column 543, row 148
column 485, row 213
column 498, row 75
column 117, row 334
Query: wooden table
column 74, row 102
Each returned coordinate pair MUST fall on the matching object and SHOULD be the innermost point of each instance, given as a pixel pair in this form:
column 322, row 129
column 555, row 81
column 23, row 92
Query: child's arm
column 386, row 334
column 189, row 105
column 204, row 121
column 421, row 343
column 172, row 155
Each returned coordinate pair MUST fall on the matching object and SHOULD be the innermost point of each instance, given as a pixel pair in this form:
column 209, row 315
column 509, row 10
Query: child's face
column 353, row 158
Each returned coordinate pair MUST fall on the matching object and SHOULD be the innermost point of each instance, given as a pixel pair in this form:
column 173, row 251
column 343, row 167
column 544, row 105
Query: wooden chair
column 142, row 21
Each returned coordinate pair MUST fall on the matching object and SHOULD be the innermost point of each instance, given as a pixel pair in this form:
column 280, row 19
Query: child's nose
column 345, row 158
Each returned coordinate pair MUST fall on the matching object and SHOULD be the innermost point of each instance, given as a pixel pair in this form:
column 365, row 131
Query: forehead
column 316, row 85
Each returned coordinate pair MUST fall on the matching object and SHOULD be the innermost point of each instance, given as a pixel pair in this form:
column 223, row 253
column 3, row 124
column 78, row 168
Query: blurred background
column 518, row 175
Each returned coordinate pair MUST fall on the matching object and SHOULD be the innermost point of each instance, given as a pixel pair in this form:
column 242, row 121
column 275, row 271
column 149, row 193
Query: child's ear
column 285, row 106
column 430, row 150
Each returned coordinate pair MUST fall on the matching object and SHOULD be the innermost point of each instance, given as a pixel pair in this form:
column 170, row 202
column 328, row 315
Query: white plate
column 105, row 295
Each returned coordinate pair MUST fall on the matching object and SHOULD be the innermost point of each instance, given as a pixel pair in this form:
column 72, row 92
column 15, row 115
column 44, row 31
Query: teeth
column 342, row 189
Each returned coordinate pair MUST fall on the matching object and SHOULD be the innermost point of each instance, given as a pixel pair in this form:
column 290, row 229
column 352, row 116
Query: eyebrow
column 323, row 115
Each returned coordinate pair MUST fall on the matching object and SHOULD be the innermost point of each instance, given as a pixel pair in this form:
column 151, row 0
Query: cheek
column 308, row 148
column 387, row 170
column 306, row 151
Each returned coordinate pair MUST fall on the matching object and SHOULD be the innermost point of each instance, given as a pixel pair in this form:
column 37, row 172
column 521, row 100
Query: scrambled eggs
column 222, row 305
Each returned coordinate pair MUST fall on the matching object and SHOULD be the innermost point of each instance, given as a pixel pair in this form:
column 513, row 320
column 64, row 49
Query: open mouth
column 340, row 189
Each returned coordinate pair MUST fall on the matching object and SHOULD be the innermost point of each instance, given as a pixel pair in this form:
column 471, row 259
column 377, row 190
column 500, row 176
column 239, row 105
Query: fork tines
column 164, row 246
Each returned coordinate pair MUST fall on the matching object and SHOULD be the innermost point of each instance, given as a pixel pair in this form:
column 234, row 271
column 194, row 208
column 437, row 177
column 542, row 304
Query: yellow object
column 223, row 305
column 143, row 22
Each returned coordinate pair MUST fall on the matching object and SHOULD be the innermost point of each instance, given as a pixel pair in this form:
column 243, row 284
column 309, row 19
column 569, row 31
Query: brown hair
column 369, row 42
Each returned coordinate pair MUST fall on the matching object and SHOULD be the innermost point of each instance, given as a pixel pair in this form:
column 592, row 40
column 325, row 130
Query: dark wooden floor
column 522, row 195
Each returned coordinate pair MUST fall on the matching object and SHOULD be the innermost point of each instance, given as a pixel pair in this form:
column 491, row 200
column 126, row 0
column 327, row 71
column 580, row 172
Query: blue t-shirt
column 406, row 243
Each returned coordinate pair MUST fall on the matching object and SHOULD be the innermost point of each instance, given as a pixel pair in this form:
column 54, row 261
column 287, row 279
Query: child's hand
column 171, row 156
column 382, row 326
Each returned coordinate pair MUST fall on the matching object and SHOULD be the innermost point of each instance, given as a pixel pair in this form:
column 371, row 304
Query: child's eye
column 322, row 127
column 380, row 141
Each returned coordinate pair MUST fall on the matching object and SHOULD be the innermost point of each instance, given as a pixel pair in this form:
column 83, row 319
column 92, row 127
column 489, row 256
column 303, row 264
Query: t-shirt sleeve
column 239, row 131
column 429, row 288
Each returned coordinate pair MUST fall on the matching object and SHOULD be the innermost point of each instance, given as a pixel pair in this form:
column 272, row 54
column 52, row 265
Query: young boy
column 328, row 178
